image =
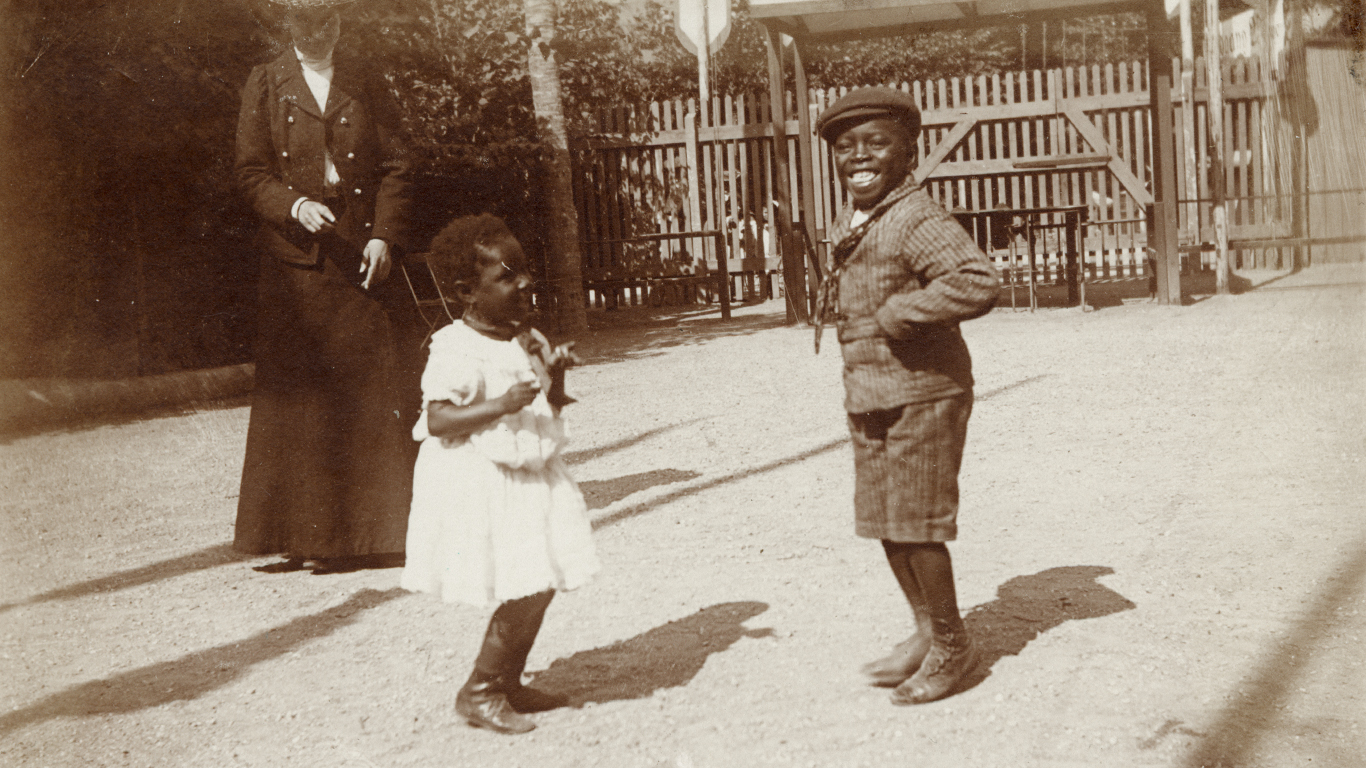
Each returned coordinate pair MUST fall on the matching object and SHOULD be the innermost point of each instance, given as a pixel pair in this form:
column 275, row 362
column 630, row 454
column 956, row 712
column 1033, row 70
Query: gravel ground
column 1163, row 552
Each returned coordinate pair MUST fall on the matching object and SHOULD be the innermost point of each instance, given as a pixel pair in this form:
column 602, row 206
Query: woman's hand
column 374, row 262
column 315, row 216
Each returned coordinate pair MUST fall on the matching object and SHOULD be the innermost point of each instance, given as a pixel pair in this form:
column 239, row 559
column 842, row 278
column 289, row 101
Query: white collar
column 310, row 64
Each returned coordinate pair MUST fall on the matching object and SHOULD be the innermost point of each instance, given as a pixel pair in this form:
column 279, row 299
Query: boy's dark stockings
column 494, row 696
column 933, row 661
column 925, row 573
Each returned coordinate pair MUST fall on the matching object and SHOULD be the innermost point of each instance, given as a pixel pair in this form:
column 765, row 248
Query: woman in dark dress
column 328, row 472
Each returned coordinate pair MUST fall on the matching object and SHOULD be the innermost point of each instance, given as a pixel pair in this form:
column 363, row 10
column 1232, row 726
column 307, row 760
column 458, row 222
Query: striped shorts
column 906, row 464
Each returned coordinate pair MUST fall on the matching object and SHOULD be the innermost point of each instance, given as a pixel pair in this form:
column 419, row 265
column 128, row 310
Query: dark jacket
column 281, row 136
column 907, row 285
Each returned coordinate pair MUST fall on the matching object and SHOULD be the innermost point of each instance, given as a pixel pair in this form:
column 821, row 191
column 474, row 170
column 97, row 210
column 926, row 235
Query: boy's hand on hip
column 375, row 262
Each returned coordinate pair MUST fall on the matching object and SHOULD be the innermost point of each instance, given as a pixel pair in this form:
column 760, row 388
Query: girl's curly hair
column 456, row 251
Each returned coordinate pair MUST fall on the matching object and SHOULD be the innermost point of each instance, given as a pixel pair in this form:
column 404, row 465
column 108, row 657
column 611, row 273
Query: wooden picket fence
column 1051, row 139
column 653, row 171
column 1256, row 169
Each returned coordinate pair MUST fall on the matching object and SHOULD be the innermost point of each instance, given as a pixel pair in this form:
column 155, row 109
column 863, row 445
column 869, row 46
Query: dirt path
column 1163, row 549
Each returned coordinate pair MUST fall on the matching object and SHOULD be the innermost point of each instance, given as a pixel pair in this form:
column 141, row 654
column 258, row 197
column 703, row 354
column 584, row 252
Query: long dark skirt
column 329, row 460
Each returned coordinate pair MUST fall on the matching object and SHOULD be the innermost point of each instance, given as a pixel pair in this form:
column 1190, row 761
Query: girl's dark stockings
column 511, row 633
column 521, row 620
column 494, row 696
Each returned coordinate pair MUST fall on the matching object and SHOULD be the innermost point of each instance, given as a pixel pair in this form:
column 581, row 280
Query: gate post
column 1162, row 238
column 794, row 268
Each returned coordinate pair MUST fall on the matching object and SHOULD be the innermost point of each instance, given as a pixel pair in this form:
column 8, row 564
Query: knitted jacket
column 914, row 276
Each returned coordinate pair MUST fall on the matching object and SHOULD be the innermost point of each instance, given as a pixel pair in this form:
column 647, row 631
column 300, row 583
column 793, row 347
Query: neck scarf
column 828, row 293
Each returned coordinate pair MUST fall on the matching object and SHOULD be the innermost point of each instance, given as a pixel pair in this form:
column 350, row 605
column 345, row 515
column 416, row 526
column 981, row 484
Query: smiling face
column 315, row 33
column 873, row 157
column 501, row 296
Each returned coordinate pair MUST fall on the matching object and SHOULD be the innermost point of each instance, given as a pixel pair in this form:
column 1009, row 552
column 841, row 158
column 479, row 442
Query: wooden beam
column 1215, row 80
column 796, row 19
column 1000, row 167
column 942, row 149
column 1096, row 139
column 930, row 117
column 1091, row 160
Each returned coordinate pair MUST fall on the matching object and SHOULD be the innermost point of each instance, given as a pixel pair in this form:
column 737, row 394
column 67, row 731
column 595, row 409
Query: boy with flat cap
column 903, row 275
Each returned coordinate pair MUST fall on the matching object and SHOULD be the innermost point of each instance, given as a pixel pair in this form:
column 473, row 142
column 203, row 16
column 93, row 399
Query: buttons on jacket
column 291, row 118
column 368, row 225
column 358, row 191
column 343, row 121
column 284, row 154
column 350, row 155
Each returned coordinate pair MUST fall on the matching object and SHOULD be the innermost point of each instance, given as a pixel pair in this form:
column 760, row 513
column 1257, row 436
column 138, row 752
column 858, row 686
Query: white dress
column 495, row 516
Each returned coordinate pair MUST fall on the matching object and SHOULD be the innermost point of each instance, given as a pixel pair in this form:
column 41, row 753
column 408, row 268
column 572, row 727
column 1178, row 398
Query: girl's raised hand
column 520, row 395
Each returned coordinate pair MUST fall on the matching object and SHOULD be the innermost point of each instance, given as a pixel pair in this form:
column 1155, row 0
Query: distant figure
column 328, row 469
column 903, row 275
column 496, row 518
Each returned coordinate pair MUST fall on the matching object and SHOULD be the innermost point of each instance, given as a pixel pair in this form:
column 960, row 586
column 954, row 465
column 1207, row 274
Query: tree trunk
column 563, row 260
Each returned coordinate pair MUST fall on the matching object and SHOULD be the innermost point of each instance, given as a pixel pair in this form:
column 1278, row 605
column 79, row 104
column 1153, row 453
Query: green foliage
column 894, row 60
column 459, row 71
column 120, row 216
column 1113, row 39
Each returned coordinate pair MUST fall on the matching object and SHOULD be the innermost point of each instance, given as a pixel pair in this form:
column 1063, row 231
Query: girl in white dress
column 496, row 519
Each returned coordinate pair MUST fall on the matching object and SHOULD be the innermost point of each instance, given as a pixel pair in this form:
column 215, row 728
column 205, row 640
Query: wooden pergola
column 808, row 21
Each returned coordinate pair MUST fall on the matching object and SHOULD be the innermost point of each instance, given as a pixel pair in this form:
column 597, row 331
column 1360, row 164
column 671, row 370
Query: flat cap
column 869, row 103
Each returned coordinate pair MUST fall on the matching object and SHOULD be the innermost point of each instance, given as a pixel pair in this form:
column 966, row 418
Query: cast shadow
column 601, row 493
column 588, row 454
column 79, row 423
column 210, row 557
column 1202, row 286
column 194, row 674
column 1027, row 606
column 640, row 332
column 664, row 657
column 672, row 496
column 1233, row 737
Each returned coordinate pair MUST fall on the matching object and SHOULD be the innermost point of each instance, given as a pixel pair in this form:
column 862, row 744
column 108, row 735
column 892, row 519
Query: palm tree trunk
column 563, row 260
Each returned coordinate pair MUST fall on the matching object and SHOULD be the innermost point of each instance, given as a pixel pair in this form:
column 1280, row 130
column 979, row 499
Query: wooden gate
column 1057, row 139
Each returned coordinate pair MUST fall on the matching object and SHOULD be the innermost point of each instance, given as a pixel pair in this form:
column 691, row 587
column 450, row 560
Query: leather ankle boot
column 483, row 704
column 952, row 657
column 898, row 666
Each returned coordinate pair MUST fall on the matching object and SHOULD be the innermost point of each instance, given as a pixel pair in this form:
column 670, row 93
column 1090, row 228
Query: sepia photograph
column 682, row 383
